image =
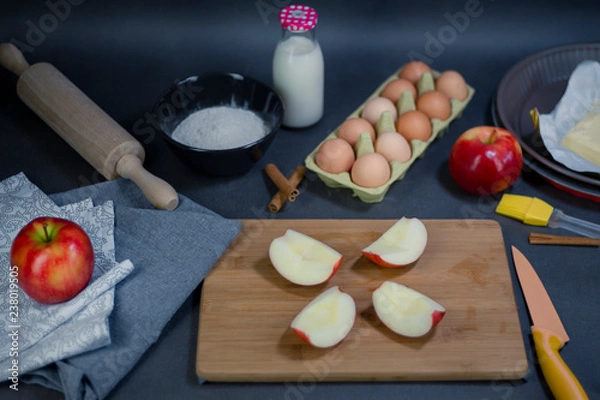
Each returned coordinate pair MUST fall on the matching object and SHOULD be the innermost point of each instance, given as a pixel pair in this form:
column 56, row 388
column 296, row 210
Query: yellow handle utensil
column 536, row 212
column 549, row 334
column 562, row 382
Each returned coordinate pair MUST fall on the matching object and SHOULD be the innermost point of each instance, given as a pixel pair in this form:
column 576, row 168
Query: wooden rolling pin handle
column 85, row 126
column 12, row 59
column 157, row 191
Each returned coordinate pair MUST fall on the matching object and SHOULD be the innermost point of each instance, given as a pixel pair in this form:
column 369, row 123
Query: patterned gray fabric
column 168, row 253
column 44, row 334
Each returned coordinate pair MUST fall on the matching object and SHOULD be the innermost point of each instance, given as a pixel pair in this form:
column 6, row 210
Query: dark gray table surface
column 123, row 54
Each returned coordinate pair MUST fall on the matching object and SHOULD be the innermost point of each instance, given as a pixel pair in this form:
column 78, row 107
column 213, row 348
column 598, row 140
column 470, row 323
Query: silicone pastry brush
column 536, row 212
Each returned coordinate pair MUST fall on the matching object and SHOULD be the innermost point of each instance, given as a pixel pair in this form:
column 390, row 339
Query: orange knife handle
column 563, row 384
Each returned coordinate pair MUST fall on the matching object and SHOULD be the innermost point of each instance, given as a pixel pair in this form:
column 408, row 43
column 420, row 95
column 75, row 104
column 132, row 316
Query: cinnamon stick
column 543, row 238
column 281, row 182
column 280, row 197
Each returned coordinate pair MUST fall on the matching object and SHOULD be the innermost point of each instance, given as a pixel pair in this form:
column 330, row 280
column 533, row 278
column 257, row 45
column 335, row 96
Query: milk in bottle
column 298, row 67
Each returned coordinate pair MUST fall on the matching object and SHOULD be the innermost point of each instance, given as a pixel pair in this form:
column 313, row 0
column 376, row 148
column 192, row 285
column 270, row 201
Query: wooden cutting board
column 247, row 307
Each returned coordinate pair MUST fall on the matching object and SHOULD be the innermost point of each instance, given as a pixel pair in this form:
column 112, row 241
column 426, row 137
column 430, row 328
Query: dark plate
column 540, row 81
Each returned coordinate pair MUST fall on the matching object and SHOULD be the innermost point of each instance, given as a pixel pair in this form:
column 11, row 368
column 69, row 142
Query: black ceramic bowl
column 227, row 89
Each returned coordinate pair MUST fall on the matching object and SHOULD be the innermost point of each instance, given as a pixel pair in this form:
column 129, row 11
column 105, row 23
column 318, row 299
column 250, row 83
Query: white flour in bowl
column 219, row 128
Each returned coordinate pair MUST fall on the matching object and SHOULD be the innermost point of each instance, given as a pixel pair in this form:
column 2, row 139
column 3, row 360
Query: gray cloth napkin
column 172, row 251
column 40, row 334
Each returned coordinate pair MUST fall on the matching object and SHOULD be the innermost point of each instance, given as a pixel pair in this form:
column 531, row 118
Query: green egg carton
column 386, row 123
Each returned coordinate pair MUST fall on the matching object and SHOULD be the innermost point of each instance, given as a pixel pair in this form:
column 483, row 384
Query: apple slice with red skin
column 406, row 311
column 302, row 259
column 402, row 244
column 327, row 319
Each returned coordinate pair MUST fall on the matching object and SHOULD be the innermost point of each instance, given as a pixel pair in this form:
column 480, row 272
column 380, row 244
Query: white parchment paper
column 583, row 90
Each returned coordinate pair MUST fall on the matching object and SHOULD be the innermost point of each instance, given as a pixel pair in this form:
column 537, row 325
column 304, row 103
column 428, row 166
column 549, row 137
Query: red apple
column 54, row 257
column 486, row 160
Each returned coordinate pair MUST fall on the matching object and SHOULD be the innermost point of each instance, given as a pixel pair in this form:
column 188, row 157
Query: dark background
column 123, row 54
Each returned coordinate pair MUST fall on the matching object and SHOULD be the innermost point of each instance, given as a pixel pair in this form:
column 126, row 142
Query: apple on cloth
column 172, row 252
column 485, row 160
column 54, row 259
column 50, row 332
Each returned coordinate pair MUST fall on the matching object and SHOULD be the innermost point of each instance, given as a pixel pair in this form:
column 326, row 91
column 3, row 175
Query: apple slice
column 402, row 244
column 406, row 311
column 302, row 259
column 327, row 319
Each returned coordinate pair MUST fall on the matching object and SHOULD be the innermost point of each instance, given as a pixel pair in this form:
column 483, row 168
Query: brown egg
column 393, row 146
column 394, row 89
column 453, row 85
column 374, row 107
column 370, row 170
column 414, row 125
column 335, row 156
column 351, row 129
column 413, row 70
column 435, row 104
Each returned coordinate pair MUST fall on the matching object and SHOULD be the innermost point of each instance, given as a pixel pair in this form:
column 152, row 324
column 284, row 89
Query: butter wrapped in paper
column 568, row 131
column 584, row 137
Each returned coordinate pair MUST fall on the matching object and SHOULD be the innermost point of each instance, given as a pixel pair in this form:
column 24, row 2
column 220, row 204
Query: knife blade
column 549, row 334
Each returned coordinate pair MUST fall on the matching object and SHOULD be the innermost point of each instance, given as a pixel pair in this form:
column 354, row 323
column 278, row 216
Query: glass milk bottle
column 298, row 67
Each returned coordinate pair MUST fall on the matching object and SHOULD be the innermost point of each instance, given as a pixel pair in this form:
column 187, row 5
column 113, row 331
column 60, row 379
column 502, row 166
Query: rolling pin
column 103, row 143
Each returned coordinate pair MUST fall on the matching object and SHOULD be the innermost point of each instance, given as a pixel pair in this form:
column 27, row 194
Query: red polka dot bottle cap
column 298, row 18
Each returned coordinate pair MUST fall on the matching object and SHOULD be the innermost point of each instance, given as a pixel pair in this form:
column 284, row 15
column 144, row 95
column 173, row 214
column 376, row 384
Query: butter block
column 584, row 137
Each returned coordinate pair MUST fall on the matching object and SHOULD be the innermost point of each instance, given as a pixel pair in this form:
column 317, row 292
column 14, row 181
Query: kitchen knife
column 549, row 334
